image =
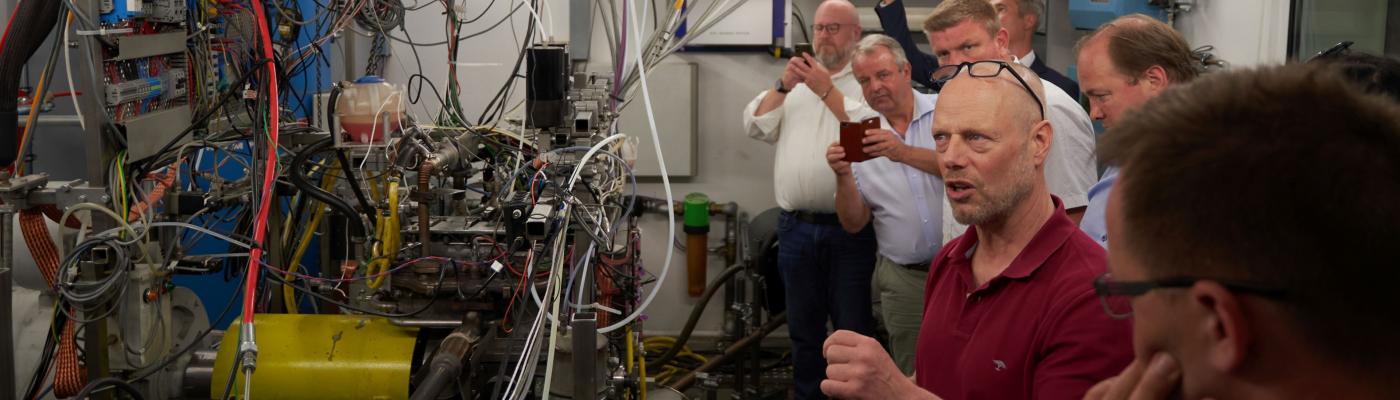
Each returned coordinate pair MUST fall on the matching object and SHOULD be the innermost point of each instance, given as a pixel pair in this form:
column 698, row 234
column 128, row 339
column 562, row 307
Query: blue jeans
column 826, row 272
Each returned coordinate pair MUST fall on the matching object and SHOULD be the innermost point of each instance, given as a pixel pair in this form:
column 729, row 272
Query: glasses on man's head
column 1116, row 296
column 829, row 28
column 983, row 69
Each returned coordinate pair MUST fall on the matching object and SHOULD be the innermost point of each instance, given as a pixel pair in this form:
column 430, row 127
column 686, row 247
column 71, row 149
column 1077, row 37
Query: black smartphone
column 802, row 48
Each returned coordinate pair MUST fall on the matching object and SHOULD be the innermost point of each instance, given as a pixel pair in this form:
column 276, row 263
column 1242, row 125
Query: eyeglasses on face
column 829, row 28
column 1116, row 296
column 983, row 69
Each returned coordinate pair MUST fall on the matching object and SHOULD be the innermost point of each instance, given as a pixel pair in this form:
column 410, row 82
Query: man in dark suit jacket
column 1018, row 17
column 895, row 23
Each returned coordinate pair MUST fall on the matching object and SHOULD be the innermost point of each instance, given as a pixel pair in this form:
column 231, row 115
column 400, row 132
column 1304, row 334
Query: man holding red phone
column 892, row 180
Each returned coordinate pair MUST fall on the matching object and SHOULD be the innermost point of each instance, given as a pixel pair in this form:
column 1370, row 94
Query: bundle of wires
column 685, row 360
column 87, row 296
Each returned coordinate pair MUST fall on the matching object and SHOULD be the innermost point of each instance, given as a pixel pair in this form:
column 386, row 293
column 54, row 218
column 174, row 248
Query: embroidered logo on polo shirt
column 1000, row 365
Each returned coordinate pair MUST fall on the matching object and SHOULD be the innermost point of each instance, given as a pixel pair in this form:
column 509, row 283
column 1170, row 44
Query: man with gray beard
column 826, row 271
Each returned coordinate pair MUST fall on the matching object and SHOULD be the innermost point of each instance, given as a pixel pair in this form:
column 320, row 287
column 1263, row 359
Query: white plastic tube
column 665, row 181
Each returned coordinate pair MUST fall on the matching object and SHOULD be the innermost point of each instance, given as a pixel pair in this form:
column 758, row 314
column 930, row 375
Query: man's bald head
column 833, row 48
column 841, row 8
column 1002, row 93
column 991, row 142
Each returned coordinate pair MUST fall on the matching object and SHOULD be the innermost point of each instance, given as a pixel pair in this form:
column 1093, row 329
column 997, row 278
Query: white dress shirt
column 1071, row 168
column 905, row 203
column 1027, row 59
column 802, row 128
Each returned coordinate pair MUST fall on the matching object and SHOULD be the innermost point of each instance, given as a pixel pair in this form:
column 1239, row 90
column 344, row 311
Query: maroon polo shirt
column 1036, row 331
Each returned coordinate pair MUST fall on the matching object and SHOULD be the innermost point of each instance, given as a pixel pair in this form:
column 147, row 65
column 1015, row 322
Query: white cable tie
column 596, row 306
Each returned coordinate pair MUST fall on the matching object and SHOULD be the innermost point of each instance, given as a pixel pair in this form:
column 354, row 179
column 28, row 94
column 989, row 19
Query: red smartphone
column 851, row 135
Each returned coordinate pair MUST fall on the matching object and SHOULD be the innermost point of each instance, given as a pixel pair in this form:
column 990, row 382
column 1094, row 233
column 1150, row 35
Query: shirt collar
column 923, row 103
column 843, row 72
column 1027, row 59
column 1046, row 241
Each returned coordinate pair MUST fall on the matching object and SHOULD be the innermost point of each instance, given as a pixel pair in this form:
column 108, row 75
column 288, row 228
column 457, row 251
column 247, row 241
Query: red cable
column 270, row 168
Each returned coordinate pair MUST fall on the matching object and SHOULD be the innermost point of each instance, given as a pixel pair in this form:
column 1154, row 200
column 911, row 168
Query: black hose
column 300, row 180
column 232, row 375
column 331, row 118
column 355, row 184
column 696, row 312
column 298, row 210
column 33, row 20
column 109, row 381
column 446, row 365
column 445, row 370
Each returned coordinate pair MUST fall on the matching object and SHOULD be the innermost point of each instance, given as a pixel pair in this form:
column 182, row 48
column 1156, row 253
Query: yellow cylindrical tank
column 304, row 356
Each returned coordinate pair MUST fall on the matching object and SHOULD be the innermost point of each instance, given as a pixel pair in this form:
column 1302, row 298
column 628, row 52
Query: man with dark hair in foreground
column 1252, row 239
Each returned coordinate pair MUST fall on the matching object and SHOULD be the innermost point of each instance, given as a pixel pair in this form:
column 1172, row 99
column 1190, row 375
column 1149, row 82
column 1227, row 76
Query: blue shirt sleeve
column 896, row 24
column 1094, row 223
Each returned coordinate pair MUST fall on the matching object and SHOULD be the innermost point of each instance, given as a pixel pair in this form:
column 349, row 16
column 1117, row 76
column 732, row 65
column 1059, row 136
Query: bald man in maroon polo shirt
column 1010, row 310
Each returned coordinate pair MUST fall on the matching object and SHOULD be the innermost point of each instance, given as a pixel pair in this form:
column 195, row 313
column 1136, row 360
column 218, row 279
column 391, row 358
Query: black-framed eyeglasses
column 1116, row 296
column 828, row 28
column 1337, row 50
column 983, row 69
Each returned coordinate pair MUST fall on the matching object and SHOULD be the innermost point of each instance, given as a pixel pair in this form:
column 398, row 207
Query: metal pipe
column 584, row 357
column 66, row 120
column 689, row 379
column 731, row 232
column 425, row 323
column 199, row 373
column 7, row 342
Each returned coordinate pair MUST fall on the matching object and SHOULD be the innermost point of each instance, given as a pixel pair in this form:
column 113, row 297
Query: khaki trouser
column 901, row 292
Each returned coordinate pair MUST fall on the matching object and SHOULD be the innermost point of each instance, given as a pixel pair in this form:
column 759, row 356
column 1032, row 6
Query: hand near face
column 1158, row 378
column 835, row 158
column 791, row 74
column 814, row 74
column 884, row 143
column 858, row 368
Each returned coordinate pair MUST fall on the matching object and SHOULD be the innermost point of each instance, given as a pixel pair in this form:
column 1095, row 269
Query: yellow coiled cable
column 388, row 240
